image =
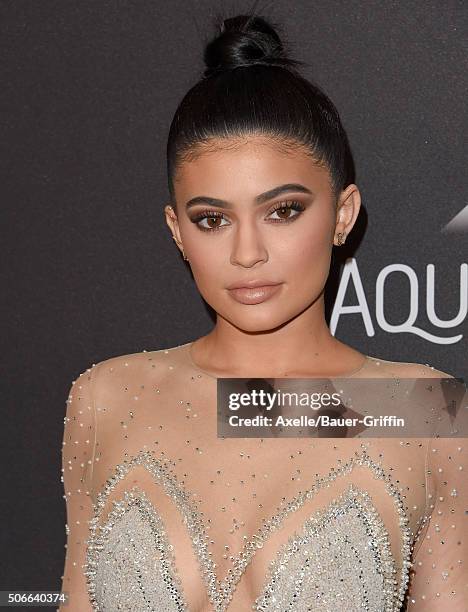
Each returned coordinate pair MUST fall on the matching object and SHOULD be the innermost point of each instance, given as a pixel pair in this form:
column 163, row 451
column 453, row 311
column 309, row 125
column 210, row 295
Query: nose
column 248, row 247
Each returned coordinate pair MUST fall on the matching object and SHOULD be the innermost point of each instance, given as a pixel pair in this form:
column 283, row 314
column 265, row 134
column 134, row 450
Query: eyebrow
column 260, row 199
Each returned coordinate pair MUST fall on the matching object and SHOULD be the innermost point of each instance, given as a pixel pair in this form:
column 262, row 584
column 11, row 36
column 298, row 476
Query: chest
column 233, row 511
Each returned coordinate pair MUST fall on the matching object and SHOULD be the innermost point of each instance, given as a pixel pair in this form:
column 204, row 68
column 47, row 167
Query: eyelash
column 209, row 214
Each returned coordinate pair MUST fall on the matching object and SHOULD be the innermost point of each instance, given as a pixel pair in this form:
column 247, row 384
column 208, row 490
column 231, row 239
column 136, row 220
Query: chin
column 254, row 320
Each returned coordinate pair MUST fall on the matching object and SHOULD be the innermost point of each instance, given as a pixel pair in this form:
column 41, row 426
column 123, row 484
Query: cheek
column 305, row 254
column 207, row 278
column 204, row 254
column 208, row 269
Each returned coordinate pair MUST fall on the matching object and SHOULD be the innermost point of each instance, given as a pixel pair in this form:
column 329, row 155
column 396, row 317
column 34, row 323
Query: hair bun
column 245, row 40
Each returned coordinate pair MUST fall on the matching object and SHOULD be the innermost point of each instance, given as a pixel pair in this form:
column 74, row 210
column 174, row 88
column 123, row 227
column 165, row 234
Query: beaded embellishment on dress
column 348, row 520
column 341, row 560
column 130, row 563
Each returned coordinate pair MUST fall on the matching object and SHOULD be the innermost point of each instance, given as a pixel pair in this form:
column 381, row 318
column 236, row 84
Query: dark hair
column 252, row 86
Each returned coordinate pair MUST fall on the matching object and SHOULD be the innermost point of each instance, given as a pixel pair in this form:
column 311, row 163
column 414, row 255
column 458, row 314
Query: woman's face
column 238, row 230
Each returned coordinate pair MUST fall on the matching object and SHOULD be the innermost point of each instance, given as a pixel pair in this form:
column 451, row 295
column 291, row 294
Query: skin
column 287, row 335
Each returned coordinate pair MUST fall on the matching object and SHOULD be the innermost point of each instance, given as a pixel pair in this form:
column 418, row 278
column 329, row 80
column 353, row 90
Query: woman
column 260, row 179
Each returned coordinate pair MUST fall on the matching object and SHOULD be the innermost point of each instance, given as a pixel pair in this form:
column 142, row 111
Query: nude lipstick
column 253, row 292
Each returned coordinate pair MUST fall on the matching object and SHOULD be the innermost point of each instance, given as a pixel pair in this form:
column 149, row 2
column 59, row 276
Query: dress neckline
column 188, row 348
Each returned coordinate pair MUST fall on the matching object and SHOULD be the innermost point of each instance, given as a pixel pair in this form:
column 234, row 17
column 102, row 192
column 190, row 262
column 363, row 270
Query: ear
column 347, row 210
column 173, row 223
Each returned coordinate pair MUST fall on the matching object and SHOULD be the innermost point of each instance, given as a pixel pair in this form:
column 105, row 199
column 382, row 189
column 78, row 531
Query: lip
column 252, row 283
column 254, row 295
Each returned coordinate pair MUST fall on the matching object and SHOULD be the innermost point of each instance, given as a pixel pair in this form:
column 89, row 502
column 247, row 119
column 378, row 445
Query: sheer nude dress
column 164, row 515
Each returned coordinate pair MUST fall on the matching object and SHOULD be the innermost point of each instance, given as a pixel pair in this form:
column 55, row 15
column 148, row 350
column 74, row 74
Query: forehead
column 235, row 167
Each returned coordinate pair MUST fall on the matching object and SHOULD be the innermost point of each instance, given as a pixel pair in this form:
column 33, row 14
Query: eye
column 211, row 217
column 285, row 208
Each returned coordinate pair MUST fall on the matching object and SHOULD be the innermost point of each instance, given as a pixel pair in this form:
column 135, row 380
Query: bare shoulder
column 403, row 369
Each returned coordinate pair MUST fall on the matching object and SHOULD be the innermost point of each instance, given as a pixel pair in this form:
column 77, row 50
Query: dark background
column 89, row 267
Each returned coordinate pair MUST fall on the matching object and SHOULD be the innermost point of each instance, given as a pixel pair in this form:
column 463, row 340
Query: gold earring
column 341, row 238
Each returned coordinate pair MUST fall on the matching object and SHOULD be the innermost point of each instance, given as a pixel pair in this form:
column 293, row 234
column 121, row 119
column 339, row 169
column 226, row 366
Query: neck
column 303, row 346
